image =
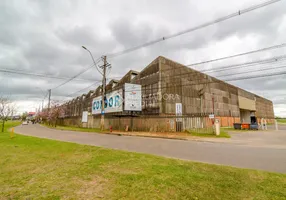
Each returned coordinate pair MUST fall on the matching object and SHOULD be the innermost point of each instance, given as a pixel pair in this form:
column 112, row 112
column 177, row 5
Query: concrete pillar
column 276, row 125
column 265, row 124
column 217, row 126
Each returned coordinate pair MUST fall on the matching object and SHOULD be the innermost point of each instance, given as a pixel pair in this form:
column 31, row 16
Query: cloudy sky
column 45, row 37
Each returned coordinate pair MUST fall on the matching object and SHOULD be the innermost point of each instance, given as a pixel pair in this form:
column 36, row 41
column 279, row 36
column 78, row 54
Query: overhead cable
column 221, row 19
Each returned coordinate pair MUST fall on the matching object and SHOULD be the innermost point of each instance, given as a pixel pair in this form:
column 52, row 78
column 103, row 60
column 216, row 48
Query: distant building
column 31, row 115
column 16, row 117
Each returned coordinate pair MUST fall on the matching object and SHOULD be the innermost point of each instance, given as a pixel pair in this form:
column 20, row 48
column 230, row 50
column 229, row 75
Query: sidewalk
column 170, row 135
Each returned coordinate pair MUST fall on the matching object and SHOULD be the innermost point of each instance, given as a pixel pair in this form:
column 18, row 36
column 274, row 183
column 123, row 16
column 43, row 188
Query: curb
column 146, row 136
column 119, row 134
column 160, row 137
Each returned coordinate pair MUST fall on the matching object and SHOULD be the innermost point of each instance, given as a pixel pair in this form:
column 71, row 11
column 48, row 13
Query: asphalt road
column 257, row 155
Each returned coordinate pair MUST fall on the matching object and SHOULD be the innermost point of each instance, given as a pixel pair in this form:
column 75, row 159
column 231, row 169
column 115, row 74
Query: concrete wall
column 149, row 78
column 165, row 83
column 264, row 108
column 197, row 91
column 148, row 123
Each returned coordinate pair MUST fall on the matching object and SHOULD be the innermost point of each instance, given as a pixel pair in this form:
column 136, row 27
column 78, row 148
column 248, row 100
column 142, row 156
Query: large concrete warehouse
column 165, row 83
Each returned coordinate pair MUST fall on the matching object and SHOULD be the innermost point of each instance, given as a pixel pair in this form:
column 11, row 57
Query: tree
column 24, row 116
column 6, row 110
column 55, row 113
column 52, row 115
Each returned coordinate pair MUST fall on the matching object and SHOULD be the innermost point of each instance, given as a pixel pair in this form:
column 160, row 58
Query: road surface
column 255, row 155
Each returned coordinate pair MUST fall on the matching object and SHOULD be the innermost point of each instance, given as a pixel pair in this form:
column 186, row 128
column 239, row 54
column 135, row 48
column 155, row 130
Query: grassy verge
column 70, row 128
column 34, row 168
column 223, row 134
column 281, row 121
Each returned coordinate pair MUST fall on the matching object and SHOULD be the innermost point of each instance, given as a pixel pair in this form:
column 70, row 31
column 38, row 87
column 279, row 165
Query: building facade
column 165, row 83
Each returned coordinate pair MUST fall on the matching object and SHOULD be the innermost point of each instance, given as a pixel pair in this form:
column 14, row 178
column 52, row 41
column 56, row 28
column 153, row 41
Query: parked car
column 24, row 123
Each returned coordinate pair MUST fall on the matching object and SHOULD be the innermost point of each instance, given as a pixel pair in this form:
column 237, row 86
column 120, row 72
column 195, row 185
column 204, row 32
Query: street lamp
column 103, row 85
column 94, row 63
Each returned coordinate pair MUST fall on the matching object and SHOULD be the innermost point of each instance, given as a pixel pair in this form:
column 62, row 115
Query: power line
column 40, row 75
column 240, row 54
column 238, row 13
column 251, row 63
column 257, row 76
column 247, row 64
column 174, row 73
column 69, row 95
column 83, row 89
column 247, row 72
column 209, row 81
column 72, row 78
column 232, row 65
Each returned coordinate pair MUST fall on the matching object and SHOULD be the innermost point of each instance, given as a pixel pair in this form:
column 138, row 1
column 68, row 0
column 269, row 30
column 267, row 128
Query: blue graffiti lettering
column 116, row 103
column 110, row 103
column 105, row 102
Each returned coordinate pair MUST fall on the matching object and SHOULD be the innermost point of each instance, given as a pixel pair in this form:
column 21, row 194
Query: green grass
column 223, row 134
column 71, row 128
column 281, row 121
column 34, row 168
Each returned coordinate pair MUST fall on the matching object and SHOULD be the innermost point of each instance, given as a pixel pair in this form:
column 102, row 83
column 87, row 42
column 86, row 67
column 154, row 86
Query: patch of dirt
column 91, row 189
column 121, row 170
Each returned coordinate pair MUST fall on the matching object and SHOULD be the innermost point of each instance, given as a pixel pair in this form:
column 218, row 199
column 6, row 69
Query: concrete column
column 262, row 123
column 265, row 124
column 217, row 127
column 276, row 125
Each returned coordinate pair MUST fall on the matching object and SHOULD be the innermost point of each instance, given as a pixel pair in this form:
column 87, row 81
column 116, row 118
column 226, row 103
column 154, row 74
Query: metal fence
column 197, row 124
column 162, row 124
column 149, row 123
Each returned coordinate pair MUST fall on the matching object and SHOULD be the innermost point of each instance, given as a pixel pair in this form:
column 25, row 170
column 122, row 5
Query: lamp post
column 103, row 85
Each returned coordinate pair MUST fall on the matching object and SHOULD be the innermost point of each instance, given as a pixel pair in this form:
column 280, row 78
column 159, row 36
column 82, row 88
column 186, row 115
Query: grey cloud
column 46, row 37
column 129, row 34
column 263, row 22
column 9, row 16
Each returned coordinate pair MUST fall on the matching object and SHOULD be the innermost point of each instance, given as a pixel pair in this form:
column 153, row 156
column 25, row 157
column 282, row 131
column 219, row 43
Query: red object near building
column 245, row 126
column 31, row 113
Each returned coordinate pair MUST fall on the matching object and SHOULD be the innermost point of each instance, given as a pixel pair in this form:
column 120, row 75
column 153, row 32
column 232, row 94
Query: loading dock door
column 247, row 108
column 245, row 116
column 246, row 104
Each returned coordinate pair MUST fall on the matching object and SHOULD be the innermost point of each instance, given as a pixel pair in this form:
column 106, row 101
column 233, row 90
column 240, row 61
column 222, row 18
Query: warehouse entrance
column 245, row 115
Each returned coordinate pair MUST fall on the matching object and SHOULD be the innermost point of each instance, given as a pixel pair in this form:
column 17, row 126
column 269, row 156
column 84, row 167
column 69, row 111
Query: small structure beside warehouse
column 165, row 85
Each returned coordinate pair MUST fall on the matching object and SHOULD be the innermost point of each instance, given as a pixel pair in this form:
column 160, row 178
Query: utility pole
column 104, row 66
column 213, row 108
column 49, row 104
column 213, row 103
column 103, row 92
column 42, row 105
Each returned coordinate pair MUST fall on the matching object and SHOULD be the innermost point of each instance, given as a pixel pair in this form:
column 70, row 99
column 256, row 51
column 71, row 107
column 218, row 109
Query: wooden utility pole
column 213, row 103
column 103, row 92
column 49, row 104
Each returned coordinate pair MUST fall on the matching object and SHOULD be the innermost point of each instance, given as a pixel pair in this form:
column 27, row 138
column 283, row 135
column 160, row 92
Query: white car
column 25, row 123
